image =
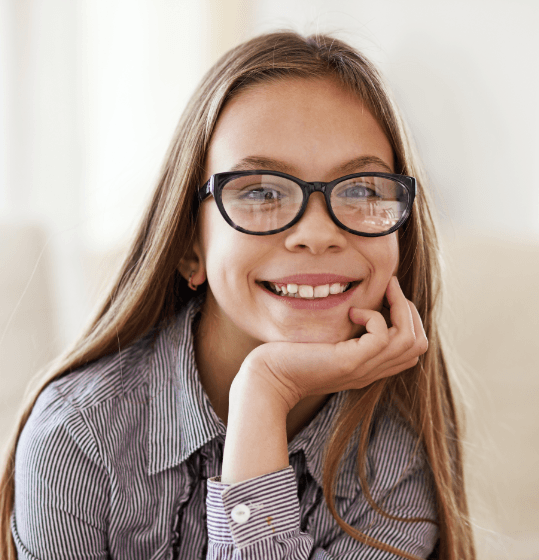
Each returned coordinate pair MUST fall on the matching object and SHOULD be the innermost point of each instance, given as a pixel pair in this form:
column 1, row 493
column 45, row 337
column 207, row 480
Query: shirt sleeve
column 61, row 488
column 257, row 518
column 260, row 517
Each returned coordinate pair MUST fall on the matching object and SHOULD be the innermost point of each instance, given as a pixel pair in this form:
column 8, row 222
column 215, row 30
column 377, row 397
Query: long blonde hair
column 149, row 288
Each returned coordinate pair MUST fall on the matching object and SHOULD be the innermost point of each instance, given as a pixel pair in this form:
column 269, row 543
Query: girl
column 258, row 383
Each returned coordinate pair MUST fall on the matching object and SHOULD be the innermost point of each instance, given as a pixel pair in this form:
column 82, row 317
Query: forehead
column 312, row 125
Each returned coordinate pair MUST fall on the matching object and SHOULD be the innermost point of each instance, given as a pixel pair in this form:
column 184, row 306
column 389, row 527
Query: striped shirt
column 121, row 459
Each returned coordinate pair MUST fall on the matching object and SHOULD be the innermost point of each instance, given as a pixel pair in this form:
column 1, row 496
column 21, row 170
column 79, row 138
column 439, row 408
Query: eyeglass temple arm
column 206, row 190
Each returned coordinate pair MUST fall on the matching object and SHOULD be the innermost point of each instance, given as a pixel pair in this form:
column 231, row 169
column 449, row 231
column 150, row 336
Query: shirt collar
column 182, row 418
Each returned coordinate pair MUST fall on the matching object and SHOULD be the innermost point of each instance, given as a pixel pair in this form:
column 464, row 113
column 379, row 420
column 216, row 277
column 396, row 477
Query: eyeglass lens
column 367, row 204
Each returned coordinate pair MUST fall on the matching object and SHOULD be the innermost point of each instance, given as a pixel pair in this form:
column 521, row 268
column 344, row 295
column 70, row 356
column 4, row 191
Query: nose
column 316, row 231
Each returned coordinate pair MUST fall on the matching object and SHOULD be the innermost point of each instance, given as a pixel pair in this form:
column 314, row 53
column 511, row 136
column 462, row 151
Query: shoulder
column 92, row 386
column 108, row 402
column 105, row 401
column 60, row 415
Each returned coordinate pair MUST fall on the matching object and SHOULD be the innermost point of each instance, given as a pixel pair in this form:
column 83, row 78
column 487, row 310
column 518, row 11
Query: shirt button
column 240, row 513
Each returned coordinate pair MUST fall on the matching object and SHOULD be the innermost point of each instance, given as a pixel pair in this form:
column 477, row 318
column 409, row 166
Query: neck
column 220, row 349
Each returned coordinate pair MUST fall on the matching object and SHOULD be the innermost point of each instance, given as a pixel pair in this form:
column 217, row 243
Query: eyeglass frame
column 215, row 184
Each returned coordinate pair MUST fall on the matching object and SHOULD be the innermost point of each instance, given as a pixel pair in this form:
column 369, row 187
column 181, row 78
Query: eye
column 358, row 191
column 261, row 193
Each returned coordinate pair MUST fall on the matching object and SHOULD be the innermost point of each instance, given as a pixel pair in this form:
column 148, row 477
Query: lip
column 312, row 279
column 317, row 304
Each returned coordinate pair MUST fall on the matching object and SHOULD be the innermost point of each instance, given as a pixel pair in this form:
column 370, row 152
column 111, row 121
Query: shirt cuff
column 252, row 510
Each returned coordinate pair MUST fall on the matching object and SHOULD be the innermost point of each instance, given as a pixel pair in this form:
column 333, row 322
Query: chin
column 323, row 336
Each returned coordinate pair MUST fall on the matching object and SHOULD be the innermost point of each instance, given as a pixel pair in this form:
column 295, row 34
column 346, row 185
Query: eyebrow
column 251, row 163
column 360, row 163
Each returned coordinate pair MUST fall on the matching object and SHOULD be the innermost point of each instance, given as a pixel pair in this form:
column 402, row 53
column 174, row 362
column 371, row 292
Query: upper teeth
column 306, row 291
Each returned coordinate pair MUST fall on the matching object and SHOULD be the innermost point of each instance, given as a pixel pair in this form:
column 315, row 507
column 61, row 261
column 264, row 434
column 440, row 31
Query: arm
column 262, row 394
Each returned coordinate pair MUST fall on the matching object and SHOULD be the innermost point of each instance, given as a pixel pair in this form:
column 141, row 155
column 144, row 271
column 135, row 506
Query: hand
column 295, row 370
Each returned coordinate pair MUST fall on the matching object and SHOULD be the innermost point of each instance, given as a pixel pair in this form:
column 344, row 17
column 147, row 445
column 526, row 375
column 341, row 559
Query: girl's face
column 315, row 130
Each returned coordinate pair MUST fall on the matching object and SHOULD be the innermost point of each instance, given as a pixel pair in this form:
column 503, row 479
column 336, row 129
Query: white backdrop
column 465, row 74
column 91, row 93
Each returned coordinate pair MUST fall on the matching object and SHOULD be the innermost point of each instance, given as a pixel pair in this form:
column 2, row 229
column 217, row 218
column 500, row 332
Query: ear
column 193, row 262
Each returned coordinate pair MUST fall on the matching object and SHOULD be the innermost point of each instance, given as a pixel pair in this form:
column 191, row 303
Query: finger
column 385, row 312
column 400, row 315
column 402, row 332
column 377, row 336
column 373, row 321
column 399, row 368
column 385, row 370
column 421, row 341
column 410, row 356
column 399, row 356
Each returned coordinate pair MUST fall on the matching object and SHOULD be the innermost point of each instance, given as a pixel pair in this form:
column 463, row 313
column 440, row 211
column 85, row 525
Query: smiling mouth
column 302, row 291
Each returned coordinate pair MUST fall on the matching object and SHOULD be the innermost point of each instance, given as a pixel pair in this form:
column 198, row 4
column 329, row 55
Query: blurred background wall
column 91, row 91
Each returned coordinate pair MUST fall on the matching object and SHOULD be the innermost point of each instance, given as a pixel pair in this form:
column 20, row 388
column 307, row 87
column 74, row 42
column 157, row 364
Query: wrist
column 256, row 438
column 255, row 381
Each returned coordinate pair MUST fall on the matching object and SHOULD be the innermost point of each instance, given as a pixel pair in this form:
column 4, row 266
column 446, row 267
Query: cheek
column 383, row 258
column 384, row 254
column 226, row 253
column 214, row 241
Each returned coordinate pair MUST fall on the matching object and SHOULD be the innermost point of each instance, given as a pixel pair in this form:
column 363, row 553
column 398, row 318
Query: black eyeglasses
column 267, row 202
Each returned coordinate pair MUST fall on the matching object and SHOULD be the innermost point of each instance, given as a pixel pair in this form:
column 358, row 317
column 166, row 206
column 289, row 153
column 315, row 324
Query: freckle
column 269, row 520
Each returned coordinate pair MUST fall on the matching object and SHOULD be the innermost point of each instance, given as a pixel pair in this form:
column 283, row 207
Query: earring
column 190, row 283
